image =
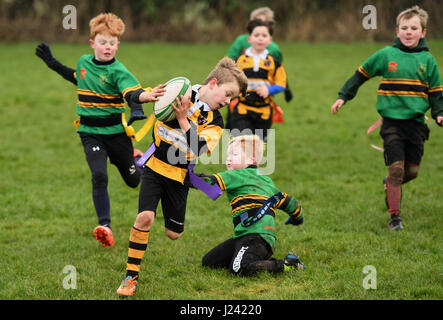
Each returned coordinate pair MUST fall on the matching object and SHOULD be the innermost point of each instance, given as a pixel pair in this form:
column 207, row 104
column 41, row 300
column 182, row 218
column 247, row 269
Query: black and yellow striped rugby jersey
column 268, row 71
column 175, row 149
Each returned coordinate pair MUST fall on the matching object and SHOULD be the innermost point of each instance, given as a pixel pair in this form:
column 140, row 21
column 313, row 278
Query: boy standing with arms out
column 196, row 130
column 253, row 198
column 411, row 85
column 102, row 84
column 266, row 77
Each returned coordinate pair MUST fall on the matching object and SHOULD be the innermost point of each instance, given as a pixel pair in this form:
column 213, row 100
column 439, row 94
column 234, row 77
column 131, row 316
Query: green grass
column 47, row 215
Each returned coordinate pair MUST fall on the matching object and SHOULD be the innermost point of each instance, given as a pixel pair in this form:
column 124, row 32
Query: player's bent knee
column 144, row 220
column 133, row 181
column 172, row 235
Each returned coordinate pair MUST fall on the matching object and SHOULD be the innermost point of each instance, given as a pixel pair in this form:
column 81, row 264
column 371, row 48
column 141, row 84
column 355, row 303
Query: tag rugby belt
column 212, row 191
column 114, row 120
column 250, row 217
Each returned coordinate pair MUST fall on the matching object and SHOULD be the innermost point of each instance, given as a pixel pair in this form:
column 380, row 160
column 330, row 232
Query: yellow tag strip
column 137, row 136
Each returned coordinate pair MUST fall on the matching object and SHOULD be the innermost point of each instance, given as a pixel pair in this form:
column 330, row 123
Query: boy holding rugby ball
column 196, row 129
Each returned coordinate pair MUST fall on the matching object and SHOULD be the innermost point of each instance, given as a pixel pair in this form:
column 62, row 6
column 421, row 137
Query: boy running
column 410, row 85
column 102, row 84
column 196, row 130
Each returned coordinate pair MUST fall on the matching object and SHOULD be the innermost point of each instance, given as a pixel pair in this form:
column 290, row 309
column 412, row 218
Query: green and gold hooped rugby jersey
column 175, row 149
column 410, row 78
column 260, row 70
column 247, row 190
column 101, row 89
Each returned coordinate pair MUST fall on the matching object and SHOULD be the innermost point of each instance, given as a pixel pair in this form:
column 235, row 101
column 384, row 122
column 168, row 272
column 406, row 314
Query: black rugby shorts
column 173, row 195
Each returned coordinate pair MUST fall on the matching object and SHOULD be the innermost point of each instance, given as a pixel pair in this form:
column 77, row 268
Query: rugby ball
column 176, row 87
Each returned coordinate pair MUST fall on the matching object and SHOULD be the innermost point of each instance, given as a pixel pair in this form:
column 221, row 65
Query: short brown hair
column 411, row 12
column 227, row 71
column 107, row 23
column 259, row 23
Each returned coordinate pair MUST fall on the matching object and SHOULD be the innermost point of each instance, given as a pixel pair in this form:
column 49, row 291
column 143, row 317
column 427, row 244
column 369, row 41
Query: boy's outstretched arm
column 295, row 211
column 349, row 89
column 211, row 179
column 43, row 52
column 137, row 97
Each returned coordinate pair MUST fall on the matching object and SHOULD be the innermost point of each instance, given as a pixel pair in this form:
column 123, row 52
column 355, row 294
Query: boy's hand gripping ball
column 176, row 87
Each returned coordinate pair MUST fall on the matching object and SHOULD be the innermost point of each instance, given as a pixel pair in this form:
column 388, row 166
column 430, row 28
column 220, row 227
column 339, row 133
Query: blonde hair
column 106, row 23
column 411, row 12
column 227, row 71
column 251, row 146
column 262, row 11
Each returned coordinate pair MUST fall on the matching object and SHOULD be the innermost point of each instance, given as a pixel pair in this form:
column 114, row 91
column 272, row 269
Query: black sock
column 100, row 198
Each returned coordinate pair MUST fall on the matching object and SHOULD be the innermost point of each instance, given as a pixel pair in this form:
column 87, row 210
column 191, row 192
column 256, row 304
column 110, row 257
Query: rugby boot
column 103, row 234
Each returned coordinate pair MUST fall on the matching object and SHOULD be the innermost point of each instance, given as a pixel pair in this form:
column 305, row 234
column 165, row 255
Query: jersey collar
column 256, row 57
column 197, row 103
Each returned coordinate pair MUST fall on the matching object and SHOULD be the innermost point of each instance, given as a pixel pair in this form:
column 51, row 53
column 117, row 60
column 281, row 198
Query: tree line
column 210, row 20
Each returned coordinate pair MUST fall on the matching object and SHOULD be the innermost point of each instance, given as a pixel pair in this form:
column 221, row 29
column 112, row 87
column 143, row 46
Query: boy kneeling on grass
column 253, row 198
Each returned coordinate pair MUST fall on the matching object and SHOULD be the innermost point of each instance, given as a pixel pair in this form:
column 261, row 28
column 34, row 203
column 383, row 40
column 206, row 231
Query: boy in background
column 196, row 130
column 411, row 84
column 241, row 43
column 253, row 198
column 266, row 78
column 103, row 83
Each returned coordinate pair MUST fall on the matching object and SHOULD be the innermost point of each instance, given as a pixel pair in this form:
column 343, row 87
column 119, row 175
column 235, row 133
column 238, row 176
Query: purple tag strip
column 144, row 158
column 212, row 191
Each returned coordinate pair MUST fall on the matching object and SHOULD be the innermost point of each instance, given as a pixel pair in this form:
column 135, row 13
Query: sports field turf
column 47, row 216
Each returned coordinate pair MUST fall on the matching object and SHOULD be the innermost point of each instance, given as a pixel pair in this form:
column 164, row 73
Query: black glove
column 295, row 222
column 136, row 114
column 43, row 52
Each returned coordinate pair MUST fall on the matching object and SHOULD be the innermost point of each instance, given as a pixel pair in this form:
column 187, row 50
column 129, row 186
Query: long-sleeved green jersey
column 247, row 191
column 101, row 88
column 410, row 85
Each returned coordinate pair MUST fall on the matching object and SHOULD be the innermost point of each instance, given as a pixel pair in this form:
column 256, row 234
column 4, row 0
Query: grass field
column 47, row 216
